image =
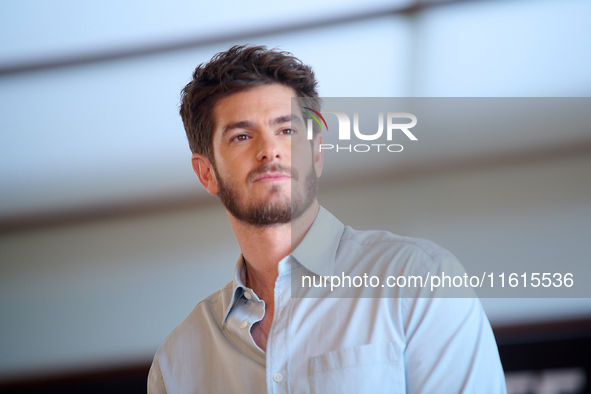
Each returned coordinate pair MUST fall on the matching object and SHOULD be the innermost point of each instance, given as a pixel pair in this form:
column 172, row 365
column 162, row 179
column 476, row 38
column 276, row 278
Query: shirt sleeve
column 450, row 346
column 155, row 382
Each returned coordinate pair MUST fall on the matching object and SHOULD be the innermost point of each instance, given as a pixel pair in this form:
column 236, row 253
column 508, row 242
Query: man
column 252, row 336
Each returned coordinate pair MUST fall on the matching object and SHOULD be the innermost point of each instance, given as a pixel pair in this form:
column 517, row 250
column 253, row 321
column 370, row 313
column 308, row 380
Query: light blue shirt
column 335, row 345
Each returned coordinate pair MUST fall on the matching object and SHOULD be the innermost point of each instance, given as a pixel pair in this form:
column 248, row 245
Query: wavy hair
column 235, row 70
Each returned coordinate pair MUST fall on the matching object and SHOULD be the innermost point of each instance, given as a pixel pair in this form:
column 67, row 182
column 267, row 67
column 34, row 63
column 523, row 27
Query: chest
column 336, row 345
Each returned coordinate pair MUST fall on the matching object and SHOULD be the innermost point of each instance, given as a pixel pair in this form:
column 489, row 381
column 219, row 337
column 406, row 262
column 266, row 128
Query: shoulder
column 414, row 265
column 179, row 363
column 392, row 246
column 204, row 322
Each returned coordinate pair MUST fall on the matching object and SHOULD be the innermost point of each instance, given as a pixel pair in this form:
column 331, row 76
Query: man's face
column 265, row 168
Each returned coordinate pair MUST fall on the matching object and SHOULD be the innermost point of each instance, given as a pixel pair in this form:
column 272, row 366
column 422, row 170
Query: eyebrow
column 285, row 119
column 246, row 124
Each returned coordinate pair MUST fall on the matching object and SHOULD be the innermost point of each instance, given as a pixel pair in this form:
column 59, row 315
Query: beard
column 267, row 213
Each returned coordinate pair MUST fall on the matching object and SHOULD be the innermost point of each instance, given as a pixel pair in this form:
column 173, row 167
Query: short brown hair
column 239, row 68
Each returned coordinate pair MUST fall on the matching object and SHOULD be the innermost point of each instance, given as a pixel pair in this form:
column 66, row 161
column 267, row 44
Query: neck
column 264, row 246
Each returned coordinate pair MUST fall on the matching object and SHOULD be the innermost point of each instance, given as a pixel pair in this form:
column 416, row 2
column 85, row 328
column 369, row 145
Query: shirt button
column 247, row 295
column 278, row 377
column 243, row 324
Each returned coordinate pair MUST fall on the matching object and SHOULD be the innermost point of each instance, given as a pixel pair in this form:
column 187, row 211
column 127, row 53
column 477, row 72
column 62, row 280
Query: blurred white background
column 107, row 240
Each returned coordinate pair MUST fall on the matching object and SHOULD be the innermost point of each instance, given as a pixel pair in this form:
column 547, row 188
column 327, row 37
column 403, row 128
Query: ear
column 318, row 154
column 204, row 170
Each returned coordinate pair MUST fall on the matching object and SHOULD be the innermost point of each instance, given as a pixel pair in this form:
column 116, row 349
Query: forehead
column 258, row 104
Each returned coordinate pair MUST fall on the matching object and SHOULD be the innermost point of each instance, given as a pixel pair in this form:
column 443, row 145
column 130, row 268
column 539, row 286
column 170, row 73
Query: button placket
column 277, row 346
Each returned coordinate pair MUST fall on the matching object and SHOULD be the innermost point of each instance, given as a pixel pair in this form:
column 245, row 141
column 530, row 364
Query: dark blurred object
column 129, row 380
column 545, row 358
column 549, row 381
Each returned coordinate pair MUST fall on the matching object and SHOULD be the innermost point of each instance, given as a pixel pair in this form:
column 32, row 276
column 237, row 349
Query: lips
column 272, row 177
column 272, row 172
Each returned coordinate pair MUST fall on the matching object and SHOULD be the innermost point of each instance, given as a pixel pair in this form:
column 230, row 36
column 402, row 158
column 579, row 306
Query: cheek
column 227, row 166
column 301, row 153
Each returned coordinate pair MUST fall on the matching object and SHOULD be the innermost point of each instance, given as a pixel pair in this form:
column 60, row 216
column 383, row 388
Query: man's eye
column 241, row 137
column 288, row 131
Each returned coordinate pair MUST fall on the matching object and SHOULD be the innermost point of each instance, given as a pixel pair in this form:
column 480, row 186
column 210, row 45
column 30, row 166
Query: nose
column 268, row 149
